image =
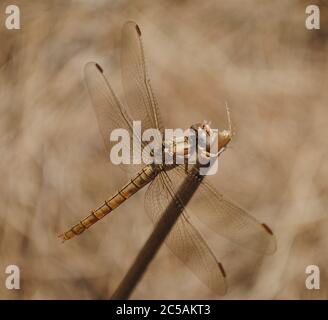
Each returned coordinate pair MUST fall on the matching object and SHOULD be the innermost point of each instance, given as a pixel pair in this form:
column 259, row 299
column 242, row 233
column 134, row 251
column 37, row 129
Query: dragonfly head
column 224, row 137
column 221, row 139
column 206, row 137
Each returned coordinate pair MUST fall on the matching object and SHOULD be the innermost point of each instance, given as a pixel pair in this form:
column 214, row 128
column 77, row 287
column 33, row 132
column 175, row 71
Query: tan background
column 257, row 55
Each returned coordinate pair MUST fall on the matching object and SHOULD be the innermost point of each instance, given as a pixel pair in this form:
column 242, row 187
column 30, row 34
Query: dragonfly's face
column 224, row 137
column 206, row 136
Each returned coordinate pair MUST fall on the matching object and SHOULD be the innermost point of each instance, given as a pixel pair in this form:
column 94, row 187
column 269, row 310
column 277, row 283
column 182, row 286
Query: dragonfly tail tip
column 62, row 237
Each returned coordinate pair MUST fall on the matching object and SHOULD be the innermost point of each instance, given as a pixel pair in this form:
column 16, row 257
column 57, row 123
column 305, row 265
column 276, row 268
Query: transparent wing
column 184, row 240
column 109, row 110
column 226, row 218
column 136, row 84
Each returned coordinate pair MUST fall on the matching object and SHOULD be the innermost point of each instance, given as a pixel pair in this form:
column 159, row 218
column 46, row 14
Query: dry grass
column 258, row 57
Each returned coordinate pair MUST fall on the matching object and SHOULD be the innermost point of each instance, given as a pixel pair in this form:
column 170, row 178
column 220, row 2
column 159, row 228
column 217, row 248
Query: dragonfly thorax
column 199, row 141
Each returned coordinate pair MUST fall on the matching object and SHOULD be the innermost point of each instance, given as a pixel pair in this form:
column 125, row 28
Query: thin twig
column 155, row 240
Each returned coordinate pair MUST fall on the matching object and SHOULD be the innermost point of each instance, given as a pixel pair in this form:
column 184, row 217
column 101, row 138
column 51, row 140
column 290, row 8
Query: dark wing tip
column 99, row 67
column 89, row 67
column 132, row 25
column 267, row 229
column 138, row 30
column 222, row 269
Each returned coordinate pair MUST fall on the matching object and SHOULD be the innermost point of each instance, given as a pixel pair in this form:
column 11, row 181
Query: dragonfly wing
column 109, row 111
column 136, row 84
column 225, row 218
column 184, row 240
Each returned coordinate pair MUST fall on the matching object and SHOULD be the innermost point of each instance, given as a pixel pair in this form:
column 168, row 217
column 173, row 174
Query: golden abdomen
column 146, row 175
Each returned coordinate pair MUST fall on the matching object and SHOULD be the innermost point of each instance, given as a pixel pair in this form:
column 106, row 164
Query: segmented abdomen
column 146, row 175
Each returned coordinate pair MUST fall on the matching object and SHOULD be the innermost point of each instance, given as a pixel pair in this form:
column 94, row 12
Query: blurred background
column 256, row 55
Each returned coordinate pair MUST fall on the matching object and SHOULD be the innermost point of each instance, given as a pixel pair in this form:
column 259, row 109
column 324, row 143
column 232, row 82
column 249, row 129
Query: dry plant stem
column 155, row 240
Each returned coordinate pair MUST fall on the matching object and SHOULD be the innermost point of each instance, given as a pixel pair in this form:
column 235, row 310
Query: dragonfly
column 210, row 207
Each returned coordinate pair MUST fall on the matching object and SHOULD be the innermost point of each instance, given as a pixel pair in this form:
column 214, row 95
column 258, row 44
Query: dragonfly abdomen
column 146, row 175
